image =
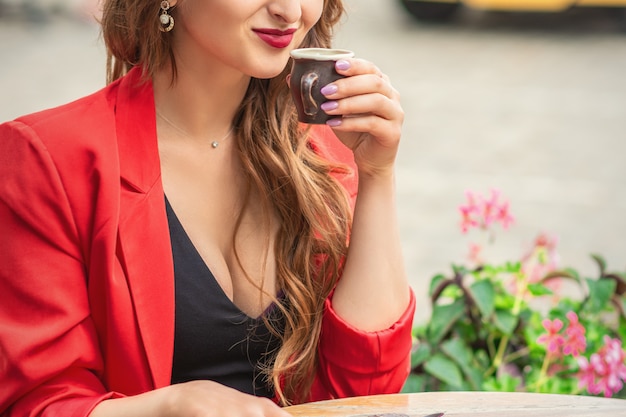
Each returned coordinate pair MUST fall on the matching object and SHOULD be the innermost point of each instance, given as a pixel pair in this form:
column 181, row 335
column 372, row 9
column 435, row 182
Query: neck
column 200, row 104
column 214, row 142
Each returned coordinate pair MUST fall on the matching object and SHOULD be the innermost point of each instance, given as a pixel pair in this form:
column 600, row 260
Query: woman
column 178, row 243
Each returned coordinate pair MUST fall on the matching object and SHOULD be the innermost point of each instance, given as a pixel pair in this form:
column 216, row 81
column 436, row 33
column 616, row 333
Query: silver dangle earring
column 166, row 19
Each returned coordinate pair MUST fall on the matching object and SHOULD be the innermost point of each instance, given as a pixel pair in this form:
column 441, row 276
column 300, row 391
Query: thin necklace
column 214, row 143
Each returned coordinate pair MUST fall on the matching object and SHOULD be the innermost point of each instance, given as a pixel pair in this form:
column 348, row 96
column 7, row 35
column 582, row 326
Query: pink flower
column 541, row 259
column 605, row 371
column 490, row 208
column 467, row 221
column 575, row 342
column 553, row 340
column 505, row 217
column 475, row 253
column 494, row 211
column 587, row 376
column 469, row 213
column 481, row 213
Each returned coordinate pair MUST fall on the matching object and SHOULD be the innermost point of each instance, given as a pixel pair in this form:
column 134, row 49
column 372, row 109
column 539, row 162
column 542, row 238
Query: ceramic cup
column 313, row 68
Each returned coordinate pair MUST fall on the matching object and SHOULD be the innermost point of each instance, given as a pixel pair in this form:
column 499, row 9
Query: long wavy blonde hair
column 291, row 178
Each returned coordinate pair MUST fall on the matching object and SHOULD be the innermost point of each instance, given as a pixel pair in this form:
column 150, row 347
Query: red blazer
column 86, row 273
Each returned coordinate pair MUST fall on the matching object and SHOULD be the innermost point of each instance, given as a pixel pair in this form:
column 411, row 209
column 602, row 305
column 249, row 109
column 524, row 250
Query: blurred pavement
column 532, row 105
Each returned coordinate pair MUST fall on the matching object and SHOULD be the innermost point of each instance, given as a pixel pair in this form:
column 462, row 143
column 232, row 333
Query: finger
column 355, row 66
column 374, row 104
column 360, row 84
column 387, row 132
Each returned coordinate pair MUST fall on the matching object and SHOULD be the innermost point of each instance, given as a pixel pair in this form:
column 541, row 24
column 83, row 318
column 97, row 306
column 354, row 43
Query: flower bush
column 517, row 326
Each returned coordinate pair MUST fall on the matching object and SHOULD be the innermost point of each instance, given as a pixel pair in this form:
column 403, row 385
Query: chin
column 265, row 75
column 269, row 66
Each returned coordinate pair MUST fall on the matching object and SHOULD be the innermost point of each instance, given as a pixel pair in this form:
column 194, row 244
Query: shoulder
column 87, row 114
column 59, row 149
column 67, row 133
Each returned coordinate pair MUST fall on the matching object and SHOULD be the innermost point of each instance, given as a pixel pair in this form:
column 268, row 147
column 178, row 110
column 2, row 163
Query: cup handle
column 307, row 83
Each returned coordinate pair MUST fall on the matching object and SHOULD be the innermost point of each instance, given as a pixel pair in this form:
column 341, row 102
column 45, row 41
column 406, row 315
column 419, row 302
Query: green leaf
column 621, row 330
column 444, row 369
column 601, row 263
column 434, row 283
column 459, row 269
column 491, row 385
column 414, row 383
column 600, row 292
column 562, row 273
column 506, row 321
column 483, row 359
column 443, row 318
column 474, row 376
column 465, row 331
column 539, row 289
column 451, row 291
column 457, row 350
column 419, row 330
column 420, row 354
column 513, row 267
column 620, row 282
column 509, row 383
column 484, row 296
column 622, row 306
column 504, row 301
column 567, row 273
column 502, row 383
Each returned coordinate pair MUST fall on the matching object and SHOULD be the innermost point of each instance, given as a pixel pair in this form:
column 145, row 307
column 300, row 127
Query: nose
column 287, row 11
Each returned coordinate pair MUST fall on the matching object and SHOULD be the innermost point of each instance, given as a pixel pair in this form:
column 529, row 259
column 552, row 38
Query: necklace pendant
column 215, row 144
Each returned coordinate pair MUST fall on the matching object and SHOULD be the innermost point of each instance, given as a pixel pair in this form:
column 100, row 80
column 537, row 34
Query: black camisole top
column 214, row 340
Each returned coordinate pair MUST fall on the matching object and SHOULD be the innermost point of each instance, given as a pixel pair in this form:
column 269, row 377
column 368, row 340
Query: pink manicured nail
column 329, row 89
column 334, row 122
column 342, row 65
column 329, row 105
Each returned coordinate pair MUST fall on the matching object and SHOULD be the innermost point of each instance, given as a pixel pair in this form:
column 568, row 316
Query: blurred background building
column 531, row 104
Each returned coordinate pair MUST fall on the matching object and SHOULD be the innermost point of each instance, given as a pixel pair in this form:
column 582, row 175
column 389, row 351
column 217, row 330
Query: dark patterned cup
column 313, row 68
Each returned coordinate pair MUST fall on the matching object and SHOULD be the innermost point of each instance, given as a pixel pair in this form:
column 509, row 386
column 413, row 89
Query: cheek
column 311, row 12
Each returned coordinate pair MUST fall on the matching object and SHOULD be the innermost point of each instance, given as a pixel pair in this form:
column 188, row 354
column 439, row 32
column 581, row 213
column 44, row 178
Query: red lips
column 275, row 38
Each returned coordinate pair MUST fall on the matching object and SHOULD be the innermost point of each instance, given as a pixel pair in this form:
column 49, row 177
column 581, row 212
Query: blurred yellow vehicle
column 443, row 9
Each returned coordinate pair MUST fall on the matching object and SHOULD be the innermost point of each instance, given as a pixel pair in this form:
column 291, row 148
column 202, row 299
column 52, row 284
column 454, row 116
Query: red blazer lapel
column 144, row 243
